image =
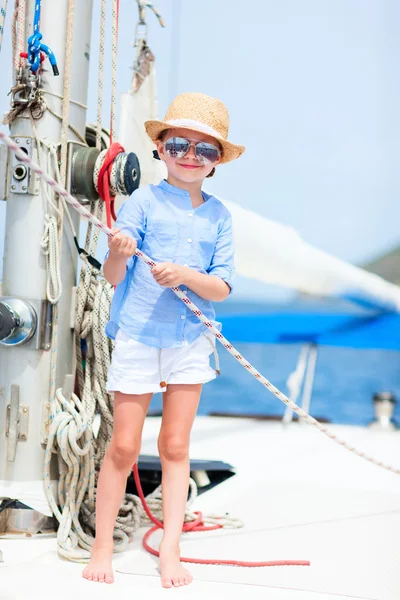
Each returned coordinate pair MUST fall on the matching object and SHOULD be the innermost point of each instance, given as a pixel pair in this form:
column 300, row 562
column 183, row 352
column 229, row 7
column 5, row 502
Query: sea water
column 344, row 383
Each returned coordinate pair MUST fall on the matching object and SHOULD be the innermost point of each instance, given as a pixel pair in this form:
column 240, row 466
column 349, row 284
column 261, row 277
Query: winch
column 17, row 322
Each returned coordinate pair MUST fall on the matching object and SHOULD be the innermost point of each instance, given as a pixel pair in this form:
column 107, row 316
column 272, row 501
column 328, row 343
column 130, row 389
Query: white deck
column 301, row 497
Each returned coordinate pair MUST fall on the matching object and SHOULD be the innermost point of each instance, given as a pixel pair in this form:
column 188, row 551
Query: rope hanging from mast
column 3, row 12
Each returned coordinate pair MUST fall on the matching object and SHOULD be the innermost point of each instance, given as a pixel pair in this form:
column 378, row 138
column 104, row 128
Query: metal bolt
column 36, row 191
column 13, row 187
column 23, row 437
column 25, row 410
column 28, row 141
column 47, row 346
column 46, row 423
column 17, row 141
column 24, row 187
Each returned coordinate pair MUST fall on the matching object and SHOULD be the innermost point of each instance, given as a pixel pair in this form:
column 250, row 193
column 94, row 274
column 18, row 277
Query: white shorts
column 139, row 369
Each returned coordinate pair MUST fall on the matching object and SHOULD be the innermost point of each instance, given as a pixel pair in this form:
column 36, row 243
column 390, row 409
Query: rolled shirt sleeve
column 222, row 264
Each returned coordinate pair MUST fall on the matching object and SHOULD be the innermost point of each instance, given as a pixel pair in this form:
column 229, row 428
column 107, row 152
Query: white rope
column 114, row 52
column 63, row 171
column 18, row 30
column 71, row 127
column 101, row 73
column 116, row 179
column 48, row 93
column 71, row 434
column 50, row 238
column 3, row 12
column 50, row 247
column 67, row 89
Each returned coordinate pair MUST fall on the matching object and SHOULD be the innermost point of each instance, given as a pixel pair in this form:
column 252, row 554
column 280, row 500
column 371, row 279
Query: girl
column 160, row 345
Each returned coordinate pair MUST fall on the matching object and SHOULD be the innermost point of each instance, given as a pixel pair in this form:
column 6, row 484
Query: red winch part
column 103, row 181
column 197, row 525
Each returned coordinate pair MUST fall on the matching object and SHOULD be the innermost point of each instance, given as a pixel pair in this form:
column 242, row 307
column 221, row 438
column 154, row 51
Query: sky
column 313, row 92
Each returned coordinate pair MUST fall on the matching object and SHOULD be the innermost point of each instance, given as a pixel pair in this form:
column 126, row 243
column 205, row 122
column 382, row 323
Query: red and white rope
column 18, row 37
column 101, row 73
column 114, row 52
column 182, row 296
column 3, row 12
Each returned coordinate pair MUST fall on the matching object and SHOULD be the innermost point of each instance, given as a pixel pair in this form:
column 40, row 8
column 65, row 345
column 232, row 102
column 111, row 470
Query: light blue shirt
column 168, row 229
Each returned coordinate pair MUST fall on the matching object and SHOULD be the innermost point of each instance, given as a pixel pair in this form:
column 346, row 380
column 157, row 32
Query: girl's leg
column 129, row 415
column 180, row 403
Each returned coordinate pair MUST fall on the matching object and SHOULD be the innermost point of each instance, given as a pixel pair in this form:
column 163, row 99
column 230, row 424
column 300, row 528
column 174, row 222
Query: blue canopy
column 331, row 329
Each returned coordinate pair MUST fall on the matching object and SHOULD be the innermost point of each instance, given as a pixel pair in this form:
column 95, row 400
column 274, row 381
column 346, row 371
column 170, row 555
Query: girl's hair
column 162, row 137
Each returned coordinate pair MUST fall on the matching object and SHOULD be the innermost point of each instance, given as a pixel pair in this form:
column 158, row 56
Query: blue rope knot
column 35, row 47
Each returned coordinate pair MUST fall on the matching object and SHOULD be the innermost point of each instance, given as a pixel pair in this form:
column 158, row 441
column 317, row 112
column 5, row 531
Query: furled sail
column 276, row 254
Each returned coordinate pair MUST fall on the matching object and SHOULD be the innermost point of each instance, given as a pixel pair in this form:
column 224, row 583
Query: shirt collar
column 172, row 189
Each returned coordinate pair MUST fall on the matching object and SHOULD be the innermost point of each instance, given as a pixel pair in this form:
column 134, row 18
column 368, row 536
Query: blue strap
column 35, row 46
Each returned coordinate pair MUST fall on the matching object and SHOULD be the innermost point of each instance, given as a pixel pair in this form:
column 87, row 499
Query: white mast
column 25, row 369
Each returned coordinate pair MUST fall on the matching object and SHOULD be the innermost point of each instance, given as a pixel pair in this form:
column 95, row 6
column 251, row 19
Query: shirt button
column 190, row 214
column 189, row 240
column 183, row 317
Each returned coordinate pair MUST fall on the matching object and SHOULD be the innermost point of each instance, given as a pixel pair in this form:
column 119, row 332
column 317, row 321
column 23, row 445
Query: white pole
column 24, row 272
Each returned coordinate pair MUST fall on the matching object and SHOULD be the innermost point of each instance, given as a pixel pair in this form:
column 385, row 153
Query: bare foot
column 100, row 567
column 172, row 572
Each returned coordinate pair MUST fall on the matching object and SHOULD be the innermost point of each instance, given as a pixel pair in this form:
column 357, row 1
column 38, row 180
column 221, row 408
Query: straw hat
column 201, row 113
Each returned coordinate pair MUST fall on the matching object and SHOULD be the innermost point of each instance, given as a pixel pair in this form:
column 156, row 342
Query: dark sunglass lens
column 207, row 152
column 176, row 147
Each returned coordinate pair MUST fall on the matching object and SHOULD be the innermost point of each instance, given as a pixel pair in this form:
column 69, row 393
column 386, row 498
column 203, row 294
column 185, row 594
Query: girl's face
column 188, row 169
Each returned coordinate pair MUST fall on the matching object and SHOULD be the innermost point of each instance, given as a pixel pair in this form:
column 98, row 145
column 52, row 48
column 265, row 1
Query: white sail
column 138, row 106
column 276, row 254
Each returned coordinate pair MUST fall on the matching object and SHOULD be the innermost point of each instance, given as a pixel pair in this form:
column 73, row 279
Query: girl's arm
column 128, row 236
column 209, row 287
column 216, row 285
column 122, row 247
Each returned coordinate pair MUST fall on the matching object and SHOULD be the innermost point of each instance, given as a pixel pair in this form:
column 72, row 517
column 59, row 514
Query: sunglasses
column 178, row 147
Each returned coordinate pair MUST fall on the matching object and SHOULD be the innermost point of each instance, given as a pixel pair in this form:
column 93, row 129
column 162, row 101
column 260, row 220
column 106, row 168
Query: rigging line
column 3, row 12
column 18, row 32
column 71, row 127
column 101, row 74
column 63, row 172
column 114, row 53
column 43, row 91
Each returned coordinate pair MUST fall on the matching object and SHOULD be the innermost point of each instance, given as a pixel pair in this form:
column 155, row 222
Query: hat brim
column 230, row 151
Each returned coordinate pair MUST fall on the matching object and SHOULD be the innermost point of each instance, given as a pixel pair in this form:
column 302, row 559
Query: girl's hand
column 169, row 274
column 122, row 245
